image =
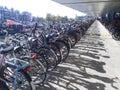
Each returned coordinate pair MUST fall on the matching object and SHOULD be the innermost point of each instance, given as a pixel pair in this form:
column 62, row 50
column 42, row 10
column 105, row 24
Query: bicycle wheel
column 116, row 36
column 56, row 49
column 78, row 36
column 43, row 61
column 50, row 57
column 37, row 71
column 64, row 48
column 73, row 40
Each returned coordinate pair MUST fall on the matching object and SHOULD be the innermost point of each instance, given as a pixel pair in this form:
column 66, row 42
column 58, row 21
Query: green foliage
column 40, row 19
column 50, row 17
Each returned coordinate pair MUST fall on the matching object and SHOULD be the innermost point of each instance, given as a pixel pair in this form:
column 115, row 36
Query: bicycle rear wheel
column 64, row 49
column 50, row 57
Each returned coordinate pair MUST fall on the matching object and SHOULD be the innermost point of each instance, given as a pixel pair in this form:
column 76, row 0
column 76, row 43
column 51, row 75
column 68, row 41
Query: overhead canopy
column 92, row 7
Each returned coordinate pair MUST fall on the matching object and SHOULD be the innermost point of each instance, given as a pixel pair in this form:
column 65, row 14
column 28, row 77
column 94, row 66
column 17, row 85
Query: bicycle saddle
column 6, row 50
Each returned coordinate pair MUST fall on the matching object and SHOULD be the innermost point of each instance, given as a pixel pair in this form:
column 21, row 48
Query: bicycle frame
column 16, row 64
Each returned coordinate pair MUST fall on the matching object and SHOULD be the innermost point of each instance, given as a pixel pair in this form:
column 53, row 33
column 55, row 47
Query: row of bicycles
column 114, row 29
column 26, row 59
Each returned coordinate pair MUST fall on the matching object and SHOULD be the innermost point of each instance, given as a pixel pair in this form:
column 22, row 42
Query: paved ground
column 93, row 64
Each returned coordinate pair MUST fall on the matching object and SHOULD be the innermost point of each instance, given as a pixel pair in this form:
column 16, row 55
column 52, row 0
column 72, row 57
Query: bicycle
column 14, row 72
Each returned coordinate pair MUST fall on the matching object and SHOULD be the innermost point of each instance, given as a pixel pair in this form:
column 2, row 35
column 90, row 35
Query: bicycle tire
column 64, row 48
column 116, row 37
column 56, row 49
column 43, row 61
column 37, row 72
column 49, row 56
column 73, row 41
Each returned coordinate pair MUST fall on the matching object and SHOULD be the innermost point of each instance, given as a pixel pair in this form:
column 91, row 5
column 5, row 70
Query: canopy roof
column 92, row 7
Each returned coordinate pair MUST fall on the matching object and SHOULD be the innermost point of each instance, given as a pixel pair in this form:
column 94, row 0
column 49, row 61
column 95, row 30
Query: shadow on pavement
column 75, row 73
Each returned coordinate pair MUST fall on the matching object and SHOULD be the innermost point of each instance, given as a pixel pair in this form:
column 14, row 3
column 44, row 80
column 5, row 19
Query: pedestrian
column 34, row 29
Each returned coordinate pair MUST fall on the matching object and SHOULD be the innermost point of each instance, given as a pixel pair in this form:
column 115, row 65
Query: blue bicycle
column 13, row 72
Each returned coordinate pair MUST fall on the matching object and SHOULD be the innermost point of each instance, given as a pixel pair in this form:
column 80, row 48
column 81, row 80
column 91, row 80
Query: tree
column 49, row 17
column 64, row 19
column 40, row 19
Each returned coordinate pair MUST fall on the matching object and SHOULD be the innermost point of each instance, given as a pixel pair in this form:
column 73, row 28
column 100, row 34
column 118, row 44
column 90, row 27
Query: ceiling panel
column 90, row 7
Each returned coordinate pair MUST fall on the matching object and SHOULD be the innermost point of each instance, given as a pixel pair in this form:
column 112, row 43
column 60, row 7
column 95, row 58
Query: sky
column 40, row 7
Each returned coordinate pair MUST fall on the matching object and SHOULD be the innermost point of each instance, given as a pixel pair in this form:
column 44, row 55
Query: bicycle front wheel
column 37, row 71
